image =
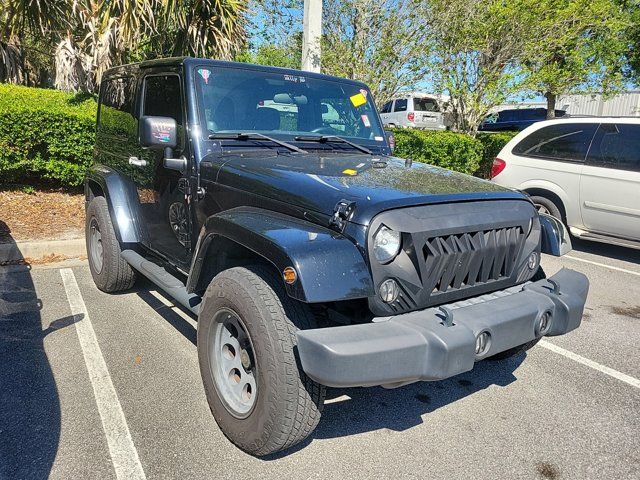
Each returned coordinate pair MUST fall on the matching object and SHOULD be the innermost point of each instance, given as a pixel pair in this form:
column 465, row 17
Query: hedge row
column 455, row 151
column 46, row 136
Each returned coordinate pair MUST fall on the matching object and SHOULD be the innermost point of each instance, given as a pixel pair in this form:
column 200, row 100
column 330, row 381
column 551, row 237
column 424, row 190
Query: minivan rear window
column 425, row 105
column 564, row 141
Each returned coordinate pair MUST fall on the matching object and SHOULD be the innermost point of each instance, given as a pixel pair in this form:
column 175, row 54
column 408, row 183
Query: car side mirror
column 555, row 237
column 158, row 132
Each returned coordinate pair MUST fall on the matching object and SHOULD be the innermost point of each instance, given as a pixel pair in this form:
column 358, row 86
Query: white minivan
column 585, row 171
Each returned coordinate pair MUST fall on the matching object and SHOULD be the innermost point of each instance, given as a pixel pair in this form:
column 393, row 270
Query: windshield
column 242, row 100
column 425, row 105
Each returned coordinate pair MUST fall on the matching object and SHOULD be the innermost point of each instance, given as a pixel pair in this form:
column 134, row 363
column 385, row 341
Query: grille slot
column 467, row 259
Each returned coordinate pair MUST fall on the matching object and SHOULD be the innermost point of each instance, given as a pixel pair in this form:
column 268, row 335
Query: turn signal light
column 289, row 274
column 497, row 167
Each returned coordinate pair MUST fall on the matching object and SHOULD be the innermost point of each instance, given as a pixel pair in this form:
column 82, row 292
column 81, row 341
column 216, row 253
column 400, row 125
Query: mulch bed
column 42, row 215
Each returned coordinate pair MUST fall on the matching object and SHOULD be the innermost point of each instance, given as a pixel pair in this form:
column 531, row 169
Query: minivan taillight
column 411, row 116
column 497, row 167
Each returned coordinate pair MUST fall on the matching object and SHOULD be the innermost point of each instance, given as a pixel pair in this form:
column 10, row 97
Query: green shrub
column 45, row 136
column 455, row 151
column 492, row 143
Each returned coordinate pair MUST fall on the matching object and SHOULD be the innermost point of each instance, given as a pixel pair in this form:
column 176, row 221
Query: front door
column 163, row 192
column 610, row 182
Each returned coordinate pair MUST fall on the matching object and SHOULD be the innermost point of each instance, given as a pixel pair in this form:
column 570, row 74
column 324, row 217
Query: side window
column 401, row 105
column 116, row 107
column 616, row 146
column 564, row 141
column 387, row 107
column 163, row 97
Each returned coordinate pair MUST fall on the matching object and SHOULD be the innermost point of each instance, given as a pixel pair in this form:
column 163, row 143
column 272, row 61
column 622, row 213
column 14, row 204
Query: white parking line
column 124, row 455
column 623, row 377
column 174, row 308
column 610, row 267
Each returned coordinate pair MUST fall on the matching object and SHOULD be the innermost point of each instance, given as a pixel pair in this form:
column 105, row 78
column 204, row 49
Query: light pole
column 312, row 29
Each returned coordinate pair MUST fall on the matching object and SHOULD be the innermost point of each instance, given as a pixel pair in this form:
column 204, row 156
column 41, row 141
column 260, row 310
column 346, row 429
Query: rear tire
column 110, row 272
column 284, row 405
column 539, row 275
column 545, row 205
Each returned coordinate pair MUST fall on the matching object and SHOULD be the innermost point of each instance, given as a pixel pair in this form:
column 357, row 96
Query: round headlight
column 386, row 244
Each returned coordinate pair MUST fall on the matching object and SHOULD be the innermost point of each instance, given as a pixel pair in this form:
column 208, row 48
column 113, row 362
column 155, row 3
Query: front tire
column 110, row 272
column 261, row 399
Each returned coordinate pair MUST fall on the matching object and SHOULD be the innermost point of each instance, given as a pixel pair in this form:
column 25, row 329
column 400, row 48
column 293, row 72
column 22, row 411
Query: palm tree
column 89, row 36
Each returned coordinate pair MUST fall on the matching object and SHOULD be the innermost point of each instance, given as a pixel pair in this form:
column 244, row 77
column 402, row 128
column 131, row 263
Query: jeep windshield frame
column 284, row 105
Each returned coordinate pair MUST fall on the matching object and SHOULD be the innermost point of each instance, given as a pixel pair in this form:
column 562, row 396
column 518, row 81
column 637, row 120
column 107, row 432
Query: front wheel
column 261, row 399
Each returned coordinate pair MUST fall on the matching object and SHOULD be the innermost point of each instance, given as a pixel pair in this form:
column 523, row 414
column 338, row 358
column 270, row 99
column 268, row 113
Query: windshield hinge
column 341, row 214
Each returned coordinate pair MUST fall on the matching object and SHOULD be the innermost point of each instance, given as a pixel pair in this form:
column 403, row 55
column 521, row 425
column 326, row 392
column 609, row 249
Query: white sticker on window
column 365, row 120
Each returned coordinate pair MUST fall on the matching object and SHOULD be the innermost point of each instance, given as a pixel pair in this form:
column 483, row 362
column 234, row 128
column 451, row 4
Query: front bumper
column 393, row 351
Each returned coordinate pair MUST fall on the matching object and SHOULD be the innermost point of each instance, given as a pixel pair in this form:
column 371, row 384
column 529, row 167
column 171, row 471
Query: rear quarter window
column 564, row 142
column 116, row 116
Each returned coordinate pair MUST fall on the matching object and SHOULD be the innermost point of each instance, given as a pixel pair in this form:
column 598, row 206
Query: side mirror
column 391, row 139
column 555, row 237
column 158, row 132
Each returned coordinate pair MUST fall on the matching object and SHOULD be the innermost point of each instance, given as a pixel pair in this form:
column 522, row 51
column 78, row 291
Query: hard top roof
column 191, row 61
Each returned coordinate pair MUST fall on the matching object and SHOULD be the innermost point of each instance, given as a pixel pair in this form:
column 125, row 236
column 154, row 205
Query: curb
column 11, row 252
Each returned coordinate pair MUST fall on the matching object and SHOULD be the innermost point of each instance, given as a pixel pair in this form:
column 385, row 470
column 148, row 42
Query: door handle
column 137, row 162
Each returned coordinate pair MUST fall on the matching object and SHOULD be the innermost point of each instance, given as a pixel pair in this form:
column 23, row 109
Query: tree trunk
column 551, row 105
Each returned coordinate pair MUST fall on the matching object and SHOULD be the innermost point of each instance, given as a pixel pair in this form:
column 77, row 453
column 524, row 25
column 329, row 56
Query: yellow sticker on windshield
column 350, row 171
column 358, row 99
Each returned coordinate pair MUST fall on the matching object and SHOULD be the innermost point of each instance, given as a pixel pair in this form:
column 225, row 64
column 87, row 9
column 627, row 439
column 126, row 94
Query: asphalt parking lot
column 99, row 386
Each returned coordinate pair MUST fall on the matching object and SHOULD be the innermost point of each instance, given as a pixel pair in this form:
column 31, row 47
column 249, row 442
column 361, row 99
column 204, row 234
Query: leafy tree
column 475, row 48
column 287, row 55
column 379, row 42
column 581, row 47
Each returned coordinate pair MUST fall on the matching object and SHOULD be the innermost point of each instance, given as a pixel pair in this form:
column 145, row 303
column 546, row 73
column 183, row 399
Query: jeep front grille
column 468, row 259
column 453, row 251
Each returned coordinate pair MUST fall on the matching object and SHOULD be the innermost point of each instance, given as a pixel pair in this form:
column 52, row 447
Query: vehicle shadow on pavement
column 371, row 409
column 29, row 402
column 624, row 254
column 142, row 288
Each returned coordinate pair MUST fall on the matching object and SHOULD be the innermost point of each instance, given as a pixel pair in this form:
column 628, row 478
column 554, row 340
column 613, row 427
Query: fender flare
column 122, row 198
column 330, row 267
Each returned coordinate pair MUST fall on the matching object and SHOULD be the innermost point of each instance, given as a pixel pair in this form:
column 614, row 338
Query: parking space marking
column 623, row 377
column 174, row 308
column 124, row 455
column 610, row 267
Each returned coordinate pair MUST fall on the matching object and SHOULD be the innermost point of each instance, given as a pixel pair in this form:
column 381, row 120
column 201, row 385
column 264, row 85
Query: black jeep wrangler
column 268, row 203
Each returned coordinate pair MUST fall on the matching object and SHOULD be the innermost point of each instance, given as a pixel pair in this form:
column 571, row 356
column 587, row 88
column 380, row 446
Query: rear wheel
column 259, row 396
column 110, row 272
column 547, row 206
column 539, row 275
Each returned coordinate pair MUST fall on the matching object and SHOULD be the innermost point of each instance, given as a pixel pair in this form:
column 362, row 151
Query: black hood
column 318, row 181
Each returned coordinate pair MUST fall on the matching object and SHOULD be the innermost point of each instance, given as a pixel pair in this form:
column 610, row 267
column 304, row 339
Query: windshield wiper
column 254, row 136
column 332, row 138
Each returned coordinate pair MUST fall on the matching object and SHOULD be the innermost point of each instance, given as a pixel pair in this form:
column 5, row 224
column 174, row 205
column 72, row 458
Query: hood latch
column 341, row 214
